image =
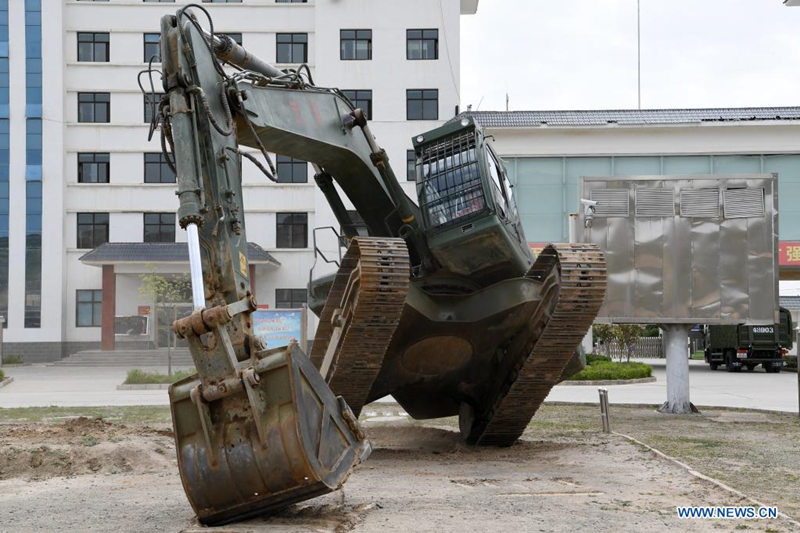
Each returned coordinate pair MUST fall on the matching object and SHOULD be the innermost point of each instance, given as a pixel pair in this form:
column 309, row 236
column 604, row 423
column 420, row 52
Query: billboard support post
column 676, row 337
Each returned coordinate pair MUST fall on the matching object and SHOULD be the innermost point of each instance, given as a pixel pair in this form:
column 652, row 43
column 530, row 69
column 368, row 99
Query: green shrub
column 140, row 377
column 2, row 374
column 605, row 370
column 790, row 361
column 592, row 358
column 12, row 360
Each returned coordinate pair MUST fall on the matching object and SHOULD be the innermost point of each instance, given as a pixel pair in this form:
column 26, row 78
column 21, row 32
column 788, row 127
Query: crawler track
column 369, row 291
column 573, row 287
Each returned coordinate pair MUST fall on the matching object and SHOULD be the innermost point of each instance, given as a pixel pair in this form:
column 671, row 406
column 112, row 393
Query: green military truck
column 749, row 346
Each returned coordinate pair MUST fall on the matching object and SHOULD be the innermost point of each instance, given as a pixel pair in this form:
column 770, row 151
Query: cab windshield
column 450, row 183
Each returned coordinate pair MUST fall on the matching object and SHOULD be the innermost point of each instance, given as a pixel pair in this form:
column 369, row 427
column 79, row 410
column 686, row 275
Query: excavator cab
column 467, row 204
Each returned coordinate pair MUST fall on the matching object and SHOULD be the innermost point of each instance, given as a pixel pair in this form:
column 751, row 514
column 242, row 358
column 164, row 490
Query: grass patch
column 140, row 377
column 145, row 414
column 2, row 374
column 699, row 355
column 607, row 370
column 593, row 358
column 12, row 360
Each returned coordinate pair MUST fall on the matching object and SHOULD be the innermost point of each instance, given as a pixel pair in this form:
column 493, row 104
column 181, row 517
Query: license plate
column 741, row 355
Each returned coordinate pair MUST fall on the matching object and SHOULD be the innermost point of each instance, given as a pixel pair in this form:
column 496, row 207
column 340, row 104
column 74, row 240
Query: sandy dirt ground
column 92, row 475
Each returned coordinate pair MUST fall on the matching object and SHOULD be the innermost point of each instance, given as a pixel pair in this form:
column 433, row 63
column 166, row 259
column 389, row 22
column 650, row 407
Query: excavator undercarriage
column 490, row 357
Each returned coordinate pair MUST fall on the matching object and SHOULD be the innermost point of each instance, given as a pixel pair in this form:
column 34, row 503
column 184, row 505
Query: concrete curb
column 578, row 383
column 700, row 475
column 6, row 381
column 144, row 386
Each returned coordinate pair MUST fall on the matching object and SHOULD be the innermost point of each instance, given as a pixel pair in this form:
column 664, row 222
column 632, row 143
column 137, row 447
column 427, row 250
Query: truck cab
column 747, row 346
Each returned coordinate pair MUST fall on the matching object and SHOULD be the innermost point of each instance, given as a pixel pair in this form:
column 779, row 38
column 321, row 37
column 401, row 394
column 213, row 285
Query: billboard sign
column 686, row 249
column 279, row 326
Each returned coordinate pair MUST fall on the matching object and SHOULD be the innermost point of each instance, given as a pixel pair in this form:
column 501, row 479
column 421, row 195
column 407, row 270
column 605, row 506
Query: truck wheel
column 713, row 365
column 750, row 367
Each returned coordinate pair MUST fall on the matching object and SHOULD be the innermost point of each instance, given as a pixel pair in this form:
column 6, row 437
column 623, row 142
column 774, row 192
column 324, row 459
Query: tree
column 604, row 334
column 651, row 330
column 176, row 288
column 627, row 335
column 162, row 289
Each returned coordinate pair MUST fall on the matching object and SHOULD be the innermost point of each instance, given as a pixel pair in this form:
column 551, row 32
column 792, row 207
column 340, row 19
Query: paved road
column 43, row 385
column 752, row 390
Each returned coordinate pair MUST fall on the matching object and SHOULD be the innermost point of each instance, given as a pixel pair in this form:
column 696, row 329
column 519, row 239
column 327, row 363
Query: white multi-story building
column 77, row 171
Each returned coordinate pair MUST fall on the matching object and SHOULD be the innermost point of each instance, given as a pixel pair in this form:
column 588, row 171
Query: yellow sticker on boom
column 243, row 264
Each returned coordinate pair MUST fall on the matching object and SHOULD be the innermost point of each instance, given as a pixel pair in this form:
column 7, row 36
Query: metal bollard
column 604, row 410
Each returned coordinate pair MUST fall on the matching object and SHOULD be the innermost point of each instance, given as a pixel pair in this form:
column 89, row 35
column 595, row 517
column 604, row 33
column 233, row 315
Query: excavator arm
column 255, row 429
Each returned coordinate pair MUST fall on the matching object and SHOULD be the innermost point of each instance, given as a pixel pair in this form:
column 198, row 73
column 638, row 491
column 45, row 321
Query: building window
column 422, row 44
column 33, row 161
column 362, row 99
column 151, row 101
column 222, row 1
column 88, row 308
column 411, row 165
column 93, row 46
column 156, row 169
column 291, row 47
column 160, row 1
column 422, row 104
column 290, row 298
column 93, row 167
column 92, row 229
column 152, row 47
column 355, row 44
column 94, row 107
column 159, row 227
column 291, row 1
column 292, row 230
column 291, row 170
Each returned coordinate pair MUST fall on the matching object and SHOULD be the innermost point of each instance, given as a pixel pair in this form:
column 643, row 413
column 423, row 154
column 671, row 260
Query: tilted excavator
column 439, row 303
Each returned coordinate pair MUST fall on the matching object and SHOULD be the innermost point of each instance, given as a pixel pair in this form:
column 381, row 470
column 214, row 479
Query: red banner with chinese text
column 789, row 253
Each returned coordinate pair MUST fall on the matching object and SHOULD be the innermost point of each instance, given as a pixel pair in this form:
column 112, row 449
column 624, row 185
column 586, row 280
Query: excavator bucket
column 282, row 437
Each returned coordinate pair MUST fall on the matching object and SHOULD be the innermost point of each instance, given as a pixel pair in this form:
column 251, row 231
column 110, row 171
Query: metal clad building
column 686, row 249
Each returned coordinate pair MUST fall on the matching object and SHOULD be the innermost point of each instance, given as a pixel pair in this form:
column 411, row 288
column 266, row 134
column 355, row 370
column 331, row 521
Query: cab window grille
column 450, row 189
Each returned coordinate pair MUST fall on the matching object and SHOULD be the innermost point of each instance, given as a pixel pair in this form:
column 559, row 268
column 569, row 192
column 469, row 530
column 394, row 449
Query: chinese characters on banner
column 279, row 326
column 789, row 253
